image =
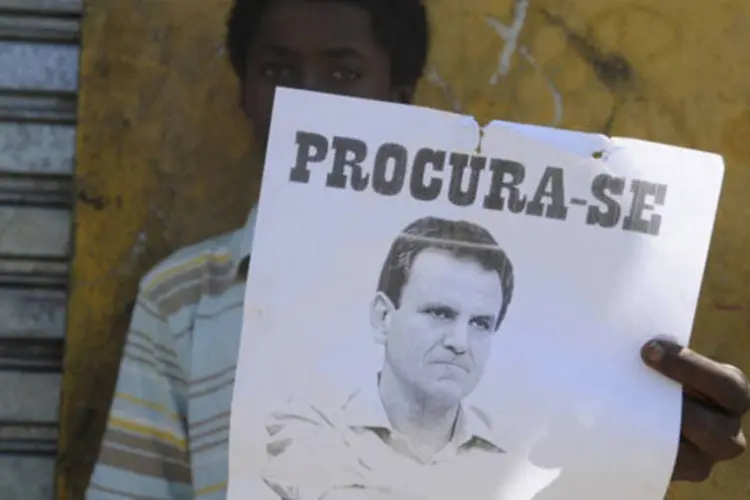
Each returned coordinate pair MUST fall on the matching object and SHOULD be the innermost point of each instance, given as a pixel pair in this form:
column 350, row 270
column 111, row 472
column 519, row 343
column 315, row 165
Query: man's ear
column 381, row 314
column 403, row 94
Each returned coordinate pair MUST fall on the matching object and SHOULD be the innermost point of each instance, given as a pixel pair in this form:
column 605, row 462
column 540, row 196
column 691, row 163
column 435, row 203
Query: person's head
column 375, row 49
column 443, row 291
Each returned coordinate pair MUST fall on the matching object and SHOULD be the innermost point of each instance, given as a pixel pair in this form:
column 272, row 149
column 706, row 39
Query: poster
column 438, row 310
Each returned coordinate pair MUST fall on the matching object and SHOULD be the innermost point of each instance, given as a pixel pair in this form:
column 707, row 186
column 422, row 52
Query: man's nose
column 456, row 338
column 311, row 80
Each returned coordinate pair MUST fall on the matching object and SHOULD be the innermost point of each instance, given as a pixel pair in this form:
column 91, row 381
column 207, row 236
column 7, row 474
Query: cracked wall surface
column 155, row 172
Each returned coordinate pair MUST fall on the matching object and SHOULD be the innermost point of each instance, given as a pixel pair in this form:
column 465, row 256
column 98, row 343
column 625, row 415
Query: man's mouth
column 453, row 364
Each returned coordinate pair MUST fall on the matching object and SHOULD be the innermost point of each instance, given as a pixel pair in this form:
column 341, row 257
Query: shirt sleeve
column 308, row 454
column 144, row 450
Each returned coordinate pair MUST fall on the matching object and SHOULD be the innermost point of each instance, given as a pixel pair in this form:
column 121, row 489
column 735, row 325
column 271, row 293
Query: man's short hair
column 462, row 239
column 401, row 27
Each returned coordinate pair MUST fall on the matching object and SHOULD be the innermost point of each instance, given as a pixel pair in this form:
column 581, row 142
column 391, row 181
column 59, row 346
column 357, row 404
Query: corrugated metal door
column 39, row 47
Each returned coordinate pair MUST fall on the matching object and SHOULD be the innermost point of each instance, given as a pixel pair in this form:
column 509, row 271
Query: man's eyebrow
column 279, row 49
column 485, row 316
column 437, row 305
column 343, row 52
column 335, row 52
column 489, row 318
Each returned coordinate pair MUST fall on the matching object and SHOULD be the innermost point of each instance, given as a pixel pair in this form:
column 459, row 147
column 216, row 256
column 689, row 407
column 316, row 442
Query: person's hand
column 715, row 398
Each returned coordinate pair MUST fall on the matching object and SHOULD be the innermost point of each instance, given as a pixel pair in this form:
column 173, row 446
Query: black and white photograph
column 440, row 310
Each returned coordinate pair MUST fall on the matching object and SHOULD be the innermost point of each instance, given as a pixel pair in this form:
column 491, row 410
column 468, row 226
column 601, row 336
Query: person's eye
column 441, row 313
column 345, row 75
column 276, row 71
column 484, row 324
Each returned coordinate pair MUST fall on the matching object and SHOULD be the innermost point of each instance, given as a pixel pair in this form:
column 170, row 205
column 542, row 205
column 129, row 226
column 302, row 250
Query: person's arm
column 144, row 450
column 311, row 457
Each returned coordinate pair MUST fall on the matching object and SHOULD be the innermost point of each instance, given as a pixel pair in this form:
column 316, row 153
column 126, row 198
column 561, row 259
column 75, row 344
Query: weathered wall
column 158, row 118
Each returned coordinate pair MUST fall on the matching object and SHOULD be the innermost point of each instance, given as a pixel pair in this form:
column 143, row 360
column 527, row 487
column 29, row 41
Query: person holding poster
column 167, row 432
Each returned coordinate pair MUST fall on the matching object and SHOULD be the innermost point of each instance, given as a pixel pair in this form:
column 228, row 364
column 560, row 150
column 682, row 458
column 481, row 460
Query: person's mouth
column 453, row 364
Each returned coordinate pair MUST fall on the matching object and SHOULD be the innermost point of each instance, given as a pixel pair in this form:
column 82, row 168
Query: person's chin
column 449, row 390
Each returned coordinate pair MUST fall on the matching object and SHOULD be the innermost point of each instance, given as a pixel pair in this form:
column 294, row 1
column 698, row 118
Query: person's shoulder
column 319, row 403
column 203, row 266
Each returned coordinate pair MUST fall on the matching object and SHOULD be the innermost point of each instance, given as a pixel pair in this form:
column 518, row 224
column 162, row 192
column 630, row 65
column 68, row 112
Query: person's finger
column 723, row 384
column 718, row 435
column 692, row 464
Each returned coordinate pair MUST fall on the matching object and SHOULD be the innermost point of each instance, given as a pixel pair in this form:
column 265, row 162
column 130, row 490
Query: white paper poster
column 436, row 311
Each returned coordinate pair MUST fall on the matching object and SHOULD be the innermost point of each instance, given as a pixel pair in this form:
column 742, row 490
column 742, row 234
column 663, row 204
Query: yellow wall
column 157, row 100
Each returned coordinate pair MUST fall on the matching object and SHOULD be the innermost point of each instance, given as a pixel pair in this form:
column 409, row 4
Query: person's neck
column 427, row 424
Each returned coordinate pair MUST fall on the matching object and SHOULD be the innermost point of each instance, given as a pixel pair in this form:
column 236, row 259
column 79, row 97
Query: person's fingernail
column 654, row 352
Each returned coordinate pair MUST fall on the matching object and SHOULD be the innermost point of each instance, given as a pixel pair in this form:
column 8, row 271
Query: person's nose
column 311, row 80
column 456, row 338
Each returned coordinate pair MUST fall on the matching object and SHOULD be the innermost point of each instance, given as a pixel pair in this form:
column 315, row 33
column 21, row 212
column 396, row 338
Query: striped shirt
column 326, row 443
column 168, row 428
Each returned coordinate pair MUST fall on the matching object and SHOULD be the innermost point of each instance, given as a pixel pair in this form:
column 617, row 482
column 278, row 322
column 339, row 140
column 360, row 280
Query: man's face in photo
column 439, row 338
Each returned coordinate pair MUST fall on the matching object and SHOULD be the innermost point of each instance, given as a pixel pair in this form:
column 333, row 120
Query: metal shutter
column 39, row 49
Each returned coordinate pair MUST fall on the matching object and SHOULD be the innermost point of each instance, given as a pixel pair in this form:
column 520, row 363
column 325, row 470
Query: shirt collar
column 241, row 244
column 365, row 409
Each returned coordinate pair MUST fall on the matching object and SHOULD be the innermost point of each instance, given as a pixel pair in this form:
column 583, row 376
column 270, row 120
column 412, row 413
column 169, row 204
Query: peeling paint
column 557, row 98
column 138, row 247
column 128, row 264
column 434, row 77
column 510, row 35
